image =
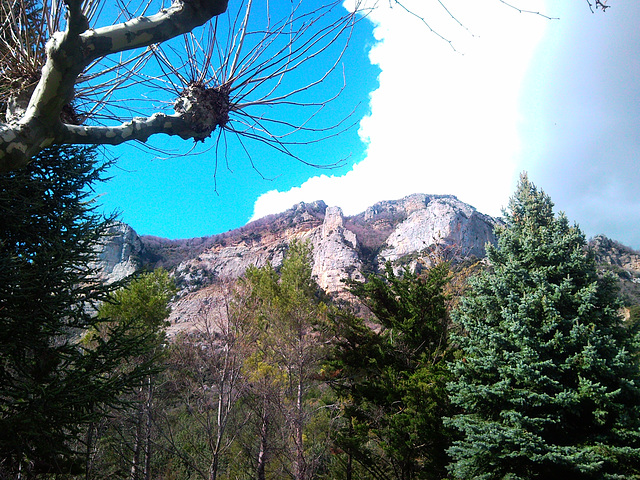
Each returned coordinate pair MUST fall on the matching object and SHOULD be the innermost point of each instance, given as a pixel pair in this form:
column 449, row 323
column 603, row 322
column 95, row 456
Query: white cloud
column 441, row 122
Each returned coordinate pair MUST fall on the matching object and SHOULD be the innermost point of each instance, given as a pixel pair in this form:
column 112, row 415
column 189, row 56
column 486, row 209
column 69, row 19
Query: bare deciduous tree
column 207, row 370
column 64, row 80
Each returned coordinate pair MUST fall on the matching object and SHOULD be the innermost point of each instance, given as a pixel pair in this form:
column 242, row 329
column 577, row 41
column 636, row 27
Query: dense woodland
column 522, row 369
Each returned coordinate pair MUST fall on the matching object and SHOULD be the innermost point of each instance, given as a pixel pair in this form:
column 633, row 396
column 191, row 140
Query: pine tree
column 141, row 309
column 548, row 378
column 288, row 356
column 392, row 379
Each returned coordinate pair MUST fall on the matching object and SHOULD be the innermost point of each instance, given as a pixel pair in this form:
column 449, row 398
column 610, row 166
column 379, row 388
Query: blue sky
column 558, row 98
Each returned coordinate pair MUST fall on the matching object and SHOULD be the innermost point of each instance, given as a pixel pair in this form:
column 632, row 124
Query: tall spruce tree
column 51, row 386
column 548, row 380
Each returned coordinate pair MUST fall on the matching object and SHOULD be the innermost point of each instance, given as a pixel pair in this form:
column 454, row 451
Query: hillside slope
column 402, row 232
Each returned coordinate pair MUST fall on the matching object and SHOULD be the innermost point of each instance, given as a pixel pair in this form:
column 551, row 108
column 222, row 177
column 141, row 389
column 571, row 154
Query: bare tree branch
column 69, row 52
column 63, row 79
column 235, row 66
column 531, row 12
column 139, row 128
column 599, row 4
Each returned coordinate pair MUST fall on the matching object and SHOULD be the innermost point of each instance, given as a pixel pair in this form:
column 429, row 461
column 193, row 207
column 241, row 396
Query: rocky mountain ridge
column 402, row 232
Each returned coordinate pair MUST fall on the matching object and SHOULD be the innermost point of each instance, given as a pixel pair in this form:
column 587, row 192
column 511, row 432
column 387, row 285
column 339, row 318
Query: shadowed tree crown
column 52, row 386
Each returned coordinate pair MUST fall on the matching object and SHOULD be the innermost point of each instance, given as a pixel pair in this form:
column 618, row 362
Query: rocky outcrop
column 335, row 254
column 119, row 254
column 623, row 262
column 343, row 247
column 257, row 245
column 438, row 220
column 613, row 253
column 204, row 309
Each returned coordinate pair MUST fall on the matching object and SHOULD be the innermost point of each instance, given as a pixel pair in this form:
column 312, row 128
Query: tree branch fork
column 70, row 52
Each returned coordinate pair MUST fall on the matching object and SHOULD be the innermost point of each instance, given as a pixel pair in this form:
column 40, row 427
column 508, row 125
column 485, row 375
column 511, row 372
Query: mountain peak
column 344, row 247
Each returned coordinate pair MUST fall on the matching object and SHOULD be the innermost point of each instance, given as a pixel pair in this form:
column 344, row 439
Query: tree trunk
column 135, row 461
column 213, row 468
column 262, row 451
column 137, row 444
column 147, row 440
column 300, row 467
column 88, row 459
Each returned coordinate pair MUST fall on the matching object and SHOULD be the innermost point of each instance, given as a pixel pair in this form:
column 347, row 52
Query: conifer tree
column 289, row 352
column 392, row 379
column 51, row 386
column 141, row 310
column 548, row 377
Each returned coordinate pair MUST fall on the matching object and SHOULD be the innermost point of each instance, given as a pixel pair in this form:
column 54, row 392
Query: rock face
column 335, row 254
column 623, row 262
column 344, row 248
column 401, row 231
column 438, row 220
column 613, row 253
column 394, row 230
column 258, row 244
column 120, row 253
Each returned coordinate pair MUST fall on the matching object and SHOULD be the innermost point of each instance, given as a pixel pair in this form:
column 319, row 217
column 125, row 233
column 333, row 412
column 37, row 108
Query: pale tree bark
column 137, row 444
column 146, row 474
column 69, row 53
column 301, row 462
column 141, row 456
column 264, row 442
column 210, row 378
column 236, row 64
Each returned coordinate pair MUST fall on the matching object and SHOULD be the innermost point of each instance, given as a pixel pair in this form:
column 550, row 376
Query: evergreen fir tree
column 51, row 385
column 289, row 351
column 548, row 378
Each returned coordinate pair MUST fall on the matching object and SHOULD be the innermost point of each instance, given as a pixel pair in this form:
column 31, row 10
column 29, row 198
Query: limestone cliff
column 400, row 231
column 623, row 262
column 438, row 220
column 119, row 254
column 335, row 253
column 390, row 230
column 343, row 248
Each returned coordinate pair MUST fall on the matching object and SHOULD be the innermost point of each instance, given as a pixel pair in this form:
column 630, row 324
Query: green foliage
column 201, row 390
column 634, row 315
column 118, row 443
column 52, row 386
column 143, row 304
column 548, row 376
column 392, row 380
column 286, row 362
column 242, row 396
